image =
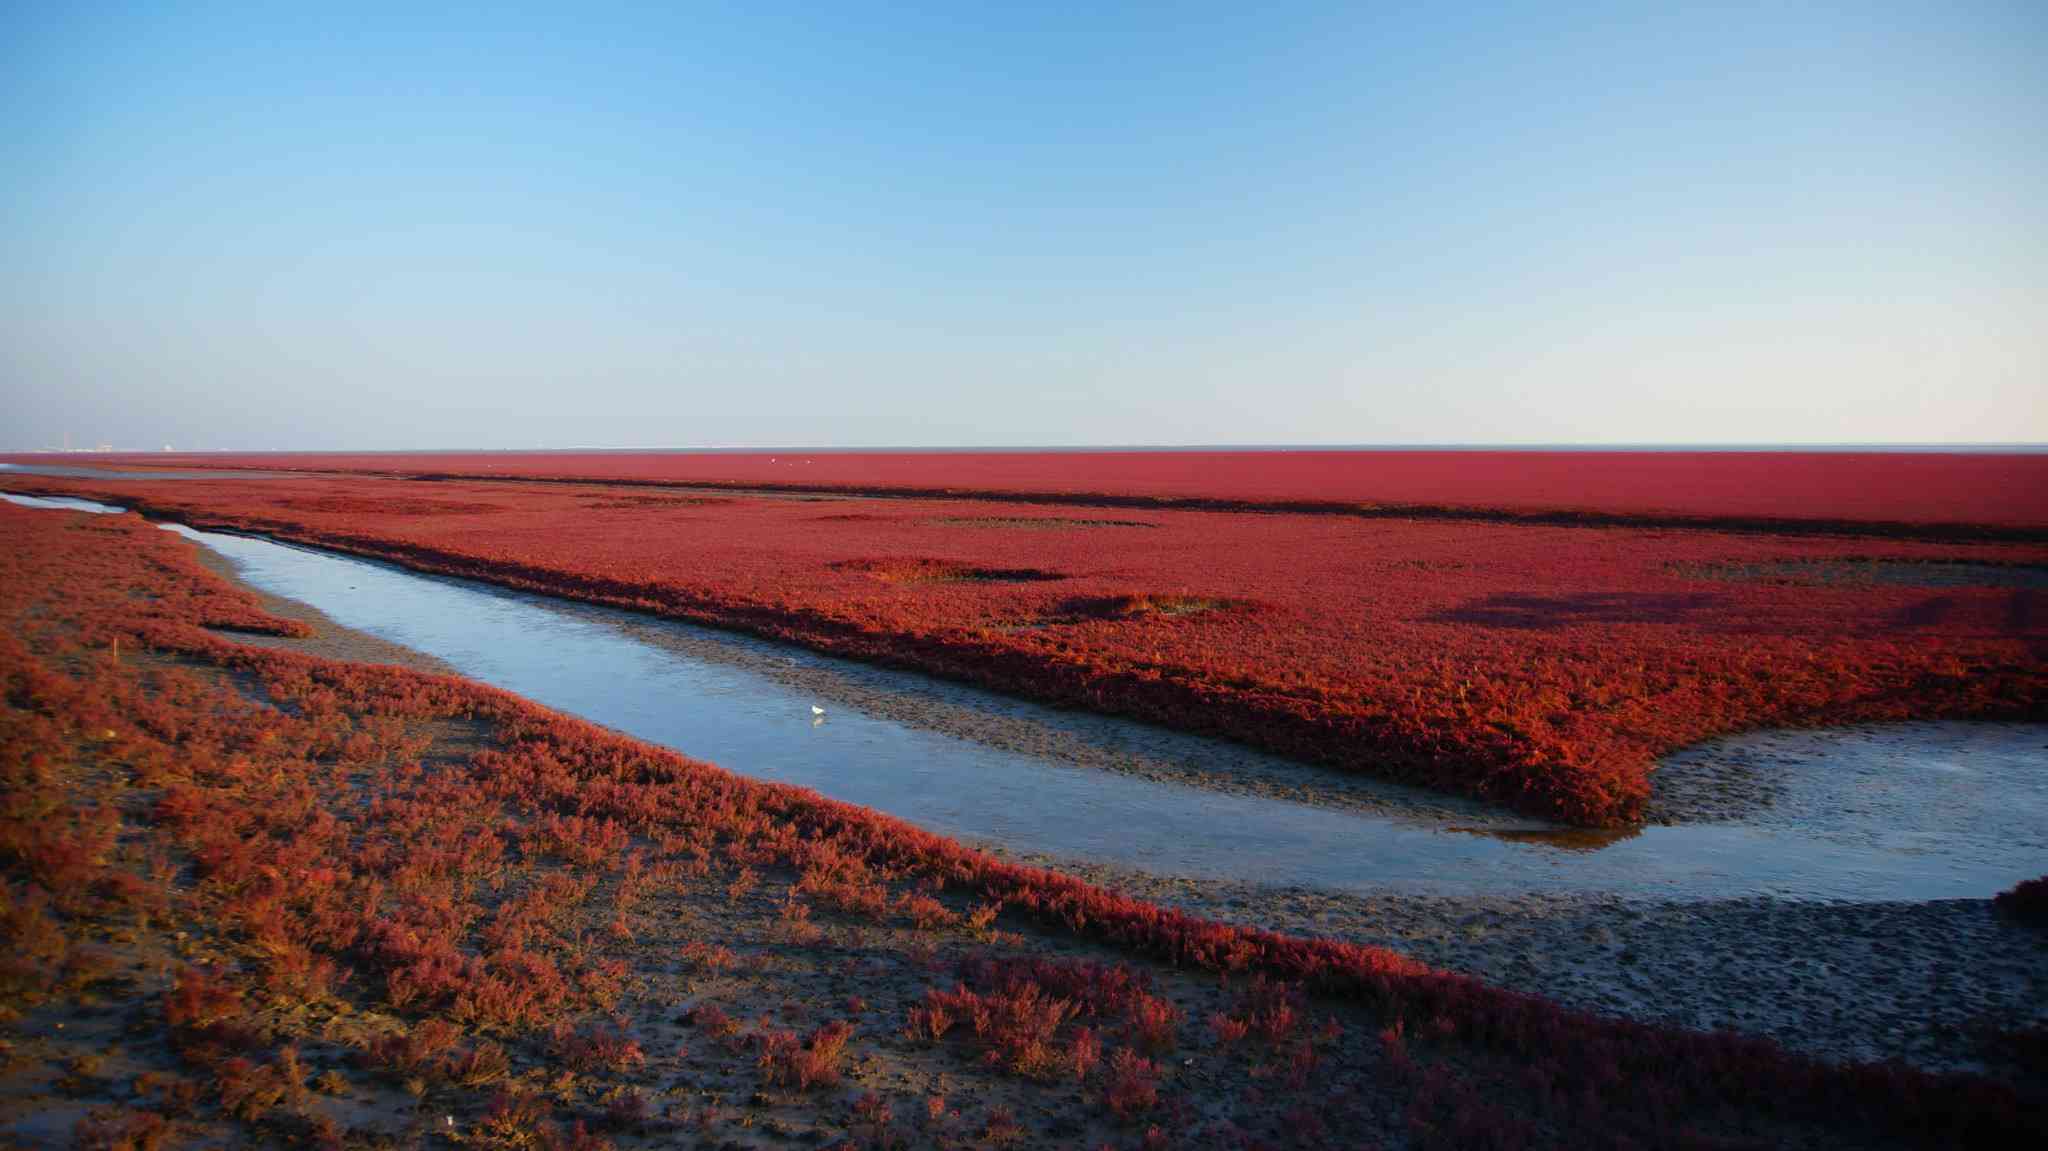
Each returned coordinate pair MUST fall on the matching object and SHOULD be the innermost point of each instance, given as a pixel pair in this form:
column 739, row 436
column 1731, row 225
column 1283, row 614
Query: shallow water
column 62, row 503
column 1912, row 812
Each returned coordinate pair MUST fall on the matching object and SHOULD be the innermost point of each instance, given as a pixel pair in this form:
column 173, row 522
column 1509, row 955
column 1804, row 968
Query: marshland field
column 1236, row 799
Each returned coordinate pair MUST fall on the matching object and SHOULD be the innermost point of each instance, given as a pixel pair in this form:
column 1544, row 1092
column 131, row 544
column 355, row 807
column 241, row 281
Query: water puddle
column 1911, row 812
column 62, row 503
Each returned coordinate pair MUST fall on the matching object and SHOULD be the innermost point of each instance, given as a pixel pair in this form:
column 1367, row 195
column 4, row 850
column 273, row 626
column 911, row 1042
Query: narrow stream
column 1910, row 812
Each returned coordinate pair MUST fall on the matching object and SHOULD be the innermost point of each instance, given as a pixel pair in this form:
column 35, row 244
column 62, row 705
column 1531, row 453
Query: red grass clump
column 713, row 1021
column 597, row 1048
column 200, row 1000
column 1016, row 1008
column 813, row 1062
column 1133, row 1084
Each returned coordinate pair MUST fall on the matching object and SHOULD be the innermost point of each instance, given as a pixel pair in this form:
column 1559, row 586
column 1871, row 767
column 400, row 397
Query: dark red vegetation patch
column 920, row 570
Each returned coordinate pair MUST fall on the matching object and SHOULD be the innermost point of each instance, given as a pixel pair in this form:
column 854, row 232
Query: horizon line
column 1927, row 446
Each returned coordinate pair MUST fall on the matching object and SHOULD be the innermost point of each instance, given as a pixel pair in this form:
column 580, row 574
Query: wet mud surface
column 1926, row 983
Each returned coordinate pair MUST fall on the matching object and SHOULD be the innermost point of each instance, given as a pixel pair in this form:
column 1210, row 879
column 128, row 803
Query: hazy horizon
column 1585, row 226
column 1846, row 446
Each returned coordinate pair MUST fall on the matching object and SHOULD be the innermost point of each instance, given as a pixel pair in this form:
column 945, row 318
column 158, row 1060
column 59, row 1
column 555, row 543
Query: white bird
column 816, row 710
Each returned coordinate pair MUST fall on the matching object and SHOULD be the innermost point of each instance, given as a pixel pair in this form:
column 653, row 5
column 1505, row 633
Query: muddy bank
column 1924, row 778
column 1918, row 982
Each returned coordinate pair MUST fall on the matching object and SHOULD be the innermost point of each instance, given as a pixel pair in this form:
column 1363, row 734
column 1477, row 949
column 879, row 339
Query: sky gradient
column 385, row 226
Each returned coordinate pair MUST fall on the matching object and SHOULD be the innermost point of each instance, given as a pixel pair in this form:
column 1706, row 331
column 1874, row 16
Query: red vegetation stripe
column 311, row 888
column 1543, row 668
column 1987, row 488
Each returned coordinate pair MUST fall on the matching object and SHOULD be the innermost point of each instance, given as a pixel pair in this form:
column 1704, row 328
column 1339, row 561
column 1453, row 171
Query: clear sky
column 429, row 225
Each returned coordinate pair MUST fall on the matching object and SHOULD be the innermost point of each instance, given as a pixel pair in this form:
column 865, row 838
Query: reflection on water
column 1915, row 812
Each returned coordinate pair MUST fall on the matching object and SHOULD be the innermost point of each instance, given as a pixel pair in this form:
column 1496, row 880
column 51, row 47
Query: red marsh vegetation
column 1539, row 666
column 1919, row 489
column 254, row 895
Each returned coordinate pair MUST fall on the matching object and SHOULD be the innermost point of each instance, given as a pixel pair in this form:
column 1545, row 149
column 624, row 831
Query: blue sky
column 401, row 226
